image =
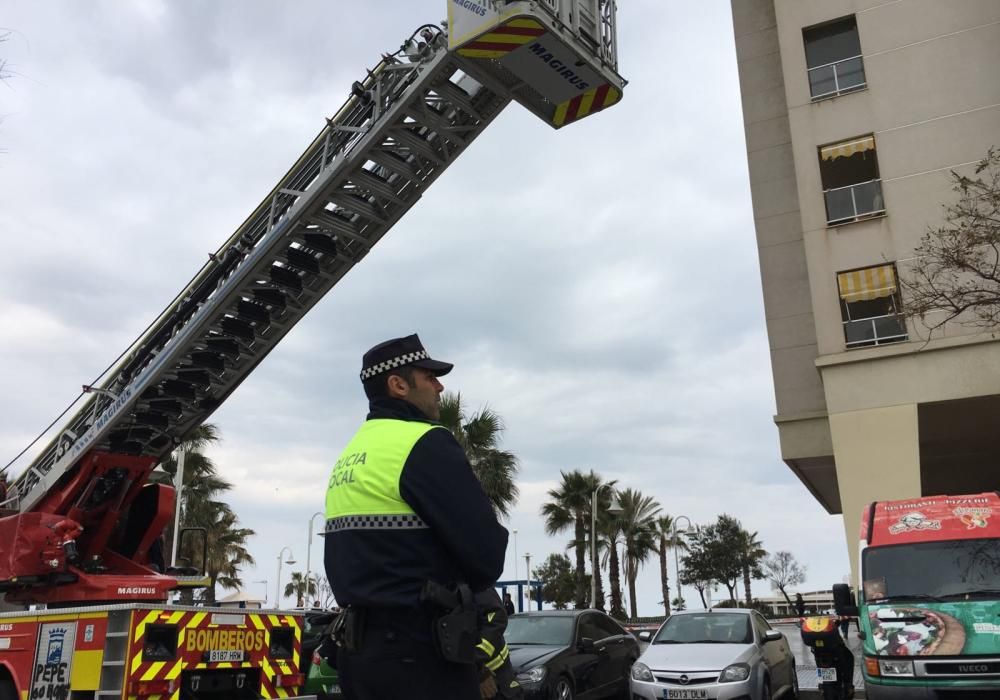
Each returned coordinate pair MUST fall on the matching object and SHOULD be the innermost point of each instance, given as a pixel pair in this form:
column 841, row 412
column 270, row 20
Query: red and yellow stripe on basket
column 504, row 39
column 593, row 100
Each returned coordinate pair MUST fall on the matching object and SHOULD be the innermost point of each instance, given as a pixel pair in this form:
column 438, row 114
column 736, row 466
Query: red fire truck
column 141, row 650
column 81, row 528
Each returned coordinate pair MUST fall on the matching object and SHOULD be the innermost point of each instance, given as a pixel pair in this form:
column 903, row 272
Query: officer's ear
column 397, row 386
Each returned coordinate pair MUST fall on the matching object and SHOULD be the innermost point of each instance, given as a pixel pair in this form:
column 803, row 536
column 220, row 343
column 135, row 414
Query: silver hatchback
column 728, row 654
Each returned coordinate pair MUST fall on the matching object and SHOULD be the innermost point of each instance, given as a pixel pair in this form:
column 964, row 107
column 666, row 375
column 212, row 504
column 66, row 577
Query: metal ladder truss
column 401, row 128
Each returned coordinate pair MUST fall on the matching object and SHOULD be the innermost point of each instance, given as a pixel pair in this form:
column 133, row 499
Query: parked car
column 321, row 678
column 566, row 654
column 725, row 655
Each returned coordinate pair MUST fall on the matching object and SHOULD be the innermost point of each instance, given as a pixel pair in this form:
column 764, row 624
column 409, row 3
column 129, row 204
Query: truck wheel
column 8, row 691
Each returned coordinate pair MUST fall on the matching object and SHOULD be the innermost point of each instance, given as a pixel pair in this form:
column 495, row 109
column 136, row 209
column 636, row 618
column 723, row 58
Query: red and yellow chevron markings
column 195, row 631
column 501, row 41
column 593, row 100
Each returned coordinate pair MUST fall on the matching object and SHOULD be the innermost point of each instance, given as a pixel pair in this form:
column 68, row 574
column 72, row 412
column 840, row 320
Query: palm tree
column 202, row 507
column 570, row 507
column 299, row 587
column 479, row 435
column 638, row 527
column 751, row 554
column 609, row 530
column 202, row 484
column 227, row 548
column 668, row 539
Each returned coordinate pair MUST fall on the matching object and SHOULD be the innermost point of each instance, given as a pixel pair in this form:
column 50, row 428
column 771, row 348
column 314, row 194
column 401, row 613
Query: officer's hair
column 378, row 386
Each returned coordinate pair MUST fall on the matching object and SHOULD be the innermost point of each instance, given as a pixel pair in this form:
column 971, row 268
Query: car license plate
column 826, row 674
column 223, row 655
column 685, row 694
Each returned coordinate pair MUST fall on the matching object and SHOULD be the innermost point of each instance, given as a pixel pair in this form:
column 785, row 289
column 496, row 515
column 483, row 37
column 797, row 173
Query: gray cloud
column 597, row 286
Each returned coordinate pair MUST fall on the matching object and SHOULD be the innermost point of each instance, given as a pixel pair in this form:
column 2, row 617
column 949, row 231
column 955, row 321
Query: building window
column 870, row 307
column 851, row 184
column 833, row 57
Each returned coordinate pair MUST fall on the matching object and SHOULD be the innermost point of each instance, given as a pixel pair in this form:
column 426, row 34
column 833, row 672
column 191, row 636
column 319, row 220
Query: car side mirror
column 645, row 636
column 772, row 636
column 586, row 645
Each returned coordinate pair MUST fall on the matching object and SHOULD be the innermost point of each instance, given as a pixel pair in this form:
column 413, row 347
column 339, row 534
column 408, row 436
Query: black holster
column 456, row 631
column 349, row 629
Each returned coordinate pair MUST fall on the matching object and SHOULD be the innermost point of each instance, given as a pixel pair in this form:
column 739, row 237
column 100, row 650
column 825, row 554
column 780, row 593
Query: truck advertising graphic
column 929, row 604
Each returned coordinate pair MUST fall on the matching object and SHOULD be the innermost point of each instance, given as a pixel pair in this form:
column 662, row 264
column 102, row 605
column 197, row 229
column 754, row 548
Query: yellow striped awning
column 865, row 285
column 846, row 149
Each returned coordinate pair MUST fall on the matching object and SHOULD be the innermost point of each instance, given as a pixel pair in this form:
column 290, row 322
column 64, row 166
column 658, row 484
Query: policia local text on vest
column 403, row 507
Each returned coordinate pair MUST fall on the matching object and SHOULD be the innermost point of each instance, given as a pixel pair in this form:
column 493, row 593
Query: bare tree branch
column 956, row 272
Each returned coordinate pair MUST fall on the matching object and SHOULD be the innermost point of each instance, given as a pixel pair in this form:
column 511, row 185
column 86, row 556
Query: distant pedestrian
column 508, row 603
column 845, row 620
column 800, row 605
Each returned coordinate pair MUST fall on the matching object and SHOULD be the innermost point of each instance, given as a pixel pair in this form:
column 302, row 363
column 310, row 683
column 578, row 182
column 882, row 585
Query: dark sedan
column 565, row 654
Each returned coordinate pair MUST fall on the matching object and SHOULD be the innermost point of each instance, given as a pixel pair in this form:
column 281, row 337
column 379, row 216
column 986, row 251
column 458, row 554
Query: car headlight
column 641, row 672
column 734, row 673
column 895, row 667
column 532, row 675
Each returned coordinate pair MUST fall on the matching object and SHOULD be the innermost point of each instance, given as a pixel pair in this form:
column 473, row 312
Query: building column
column 877, row 452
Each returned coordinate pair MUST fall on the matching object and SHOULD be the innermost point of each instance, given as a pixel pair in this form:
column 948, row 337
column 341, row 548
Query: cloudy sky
column 597, row 286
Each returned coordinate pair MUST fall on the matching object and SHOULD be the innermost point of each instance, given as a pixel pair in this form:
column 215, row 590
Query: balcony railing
column 859, row 201
column 877, row 330
column 832, row 79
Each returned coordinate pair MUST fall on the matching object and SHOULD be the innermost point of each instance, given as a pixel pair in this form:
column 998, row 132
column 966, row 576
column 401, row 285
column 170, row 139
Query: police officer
column 403, row 507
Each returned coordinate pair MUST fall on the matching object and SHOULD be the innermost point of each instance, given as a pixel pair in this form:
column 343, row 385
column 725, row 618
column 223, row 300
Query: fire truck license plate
column 685, row 694
column 216, row 655
column 826, row 674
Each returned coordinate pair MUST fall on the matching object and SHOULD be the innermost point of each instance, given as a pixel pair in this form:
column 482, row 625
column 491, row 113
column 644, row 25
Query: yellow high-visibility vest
column 363, row 490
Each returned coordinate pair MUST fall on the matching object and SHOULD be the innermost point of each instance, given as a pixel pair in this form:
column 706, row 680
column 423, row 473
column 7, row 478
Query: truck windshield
column 957, row 568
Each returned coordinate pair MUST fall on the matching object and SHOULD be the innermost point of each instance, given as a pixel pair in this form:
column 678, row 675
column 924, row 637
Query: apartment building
column 856, row 112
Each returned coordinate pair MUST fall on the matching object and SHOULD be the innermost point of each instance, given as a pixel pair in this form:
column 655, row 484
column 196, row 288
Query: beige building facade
column 855, row 114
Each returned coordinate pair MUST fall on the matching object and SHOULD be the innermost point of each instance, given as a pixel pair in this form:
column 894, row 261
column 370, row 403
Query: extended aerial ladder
column 82, row 518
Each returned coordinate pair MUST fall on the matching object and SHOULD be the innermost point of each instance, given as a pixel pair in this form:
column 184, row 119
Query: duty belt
column 375, row 522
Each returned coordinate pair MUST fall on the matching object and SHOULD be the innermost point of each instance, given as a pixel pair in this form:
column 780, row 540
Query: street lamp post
column 178, row 495
column 613, row 509
column 673, row 541
column 527, row 575
column 264, row 602
column 277, row 587
column 309, row 549
column 515, row 552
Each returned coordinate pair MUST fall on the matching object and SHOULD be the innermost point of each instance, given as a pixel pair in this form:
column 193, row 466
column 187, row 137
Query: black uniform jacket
column 463, row 541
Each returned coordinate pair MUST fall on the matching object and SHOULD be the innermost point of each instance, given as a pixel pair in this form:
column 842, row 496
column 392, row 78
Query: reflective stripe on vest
column 375, row 522
column 363, row 491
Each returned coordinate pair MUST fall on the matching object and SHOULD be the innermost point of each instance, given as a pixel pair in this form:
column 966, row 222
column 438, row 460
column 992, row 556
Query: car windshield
column 959, row 568
column 539, row 629
column 706, row 628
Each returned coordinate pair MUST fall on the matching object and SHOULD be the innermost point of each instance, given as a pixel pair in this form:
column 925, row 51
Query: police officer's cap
column 400, row 352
